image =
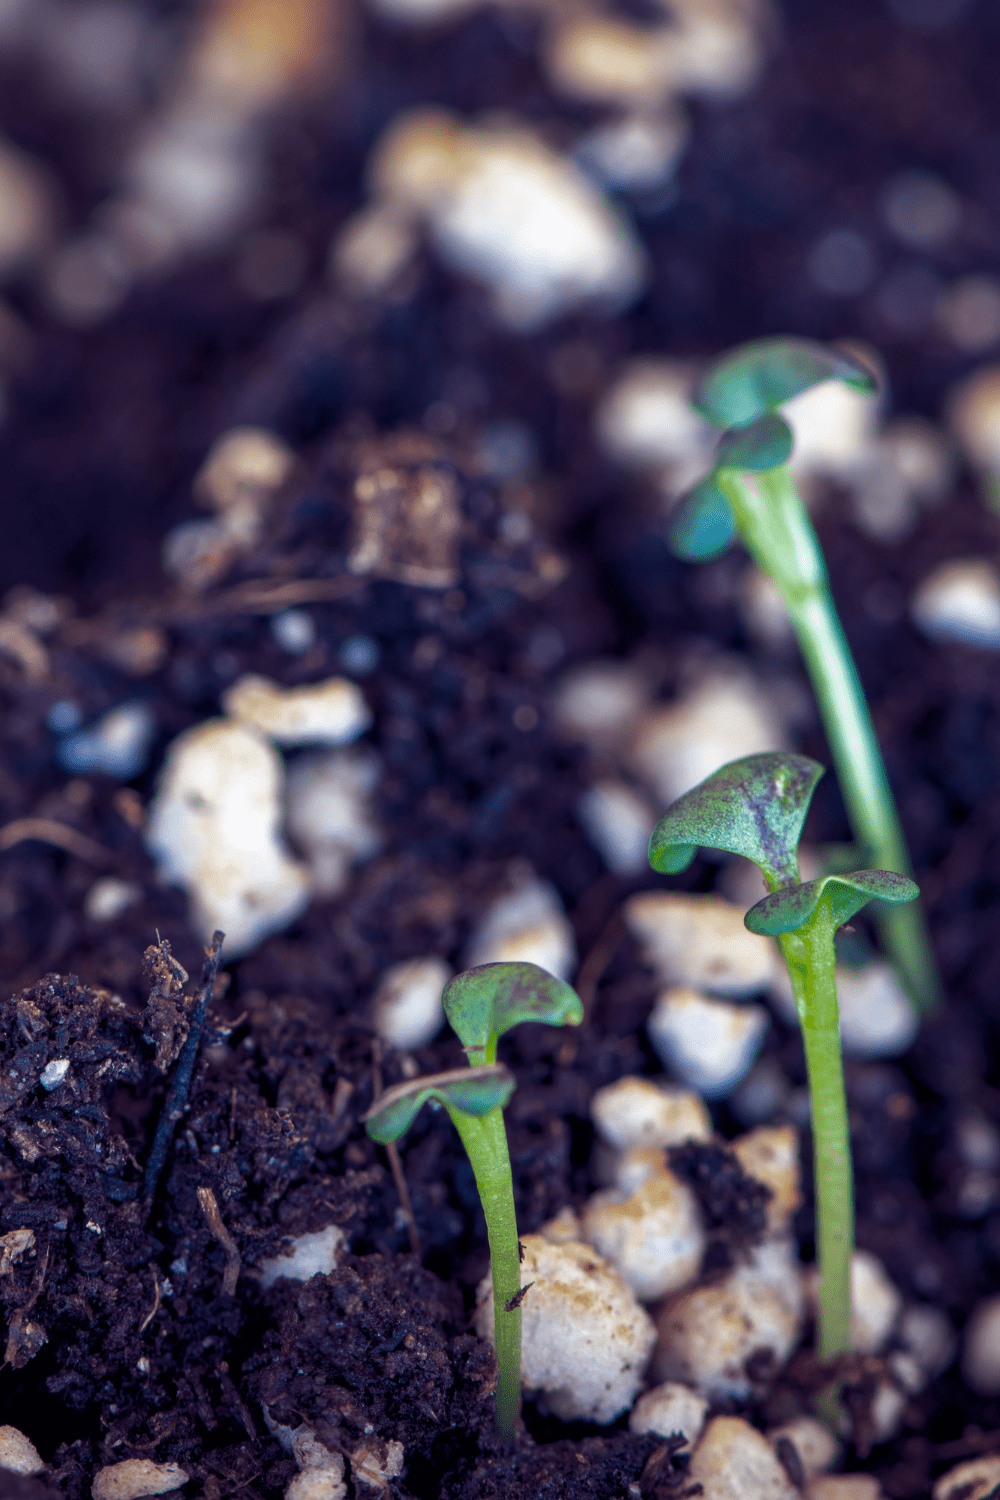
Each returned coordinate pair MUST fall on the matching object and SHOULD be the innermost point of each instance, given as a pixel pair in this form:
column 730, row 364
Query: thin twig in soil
column 48, row 831
column 396, row 1166
column 213, row 1218
column 183, row 1073
column 597, row 960
column 156, row 1304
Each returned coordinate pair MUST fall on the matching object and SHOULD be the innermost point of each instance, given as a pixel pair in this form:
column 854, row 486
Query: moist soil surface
column 126, row 1337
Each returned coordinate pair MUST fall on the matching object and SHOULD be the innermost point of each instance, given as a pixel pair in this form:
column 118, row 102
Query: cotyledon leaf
column 789, row 909
column 765, row 444
column 754, row 806
column 761, row 376
column 473, row 1091
column 703, row 525
column 484, row 1002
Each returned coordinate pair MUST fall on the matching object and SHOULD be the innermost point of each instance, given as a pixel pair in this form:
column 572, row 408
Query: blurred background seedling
column 750, row 492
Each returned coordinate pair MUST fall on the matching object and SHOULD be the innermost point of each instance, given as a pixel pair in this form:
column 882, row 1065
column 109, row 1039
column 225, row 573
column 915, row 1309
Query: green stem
column 485, row 1141
column 783, row 543
column 809, row 955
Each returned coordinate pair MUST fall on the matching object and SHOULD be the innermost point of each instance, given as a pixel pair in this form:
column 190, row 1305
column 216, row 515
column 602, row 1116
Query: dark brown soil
column 122, row 1339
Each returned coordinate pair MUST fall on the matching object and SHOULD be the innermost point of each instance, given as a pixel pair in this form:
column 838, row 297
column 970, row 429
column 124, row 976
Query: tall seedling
column 750, row 491
column 756, row 807
column 481, row 1005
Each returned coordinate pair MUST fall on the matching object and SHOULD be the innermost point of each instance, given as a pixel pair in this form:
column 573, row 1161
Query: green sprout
column 750, row 491
column 481, row 1005
column 756, row 807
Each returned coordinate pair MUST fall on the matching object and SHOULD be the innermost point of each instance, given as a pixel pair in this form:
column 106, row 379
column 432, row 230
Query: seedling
column 756, row 807
column 750, row 491
column 481, row 1005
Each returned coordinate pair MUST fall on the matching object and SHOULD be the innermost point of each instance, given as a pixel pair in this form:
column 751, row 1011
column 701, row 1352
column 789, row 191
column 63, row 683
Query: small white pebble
column 638, row 153
column 638, row 1112
column 981, row 1349
column 815, row 1444
column 135, row 1477
column 653, row 1238
column 307, row 1256
column 294, row 631
column 333, row 712
column 646, row 420
column 770, row 1154
column 109, row 897
column 53, row 1074
column 528, row 926
column 505, row 209
column 585, row 1340
column 329, row 813
column 725, row 717
column 406, row 1008
column 619, row 823
column 117, row 745
column 707, row 1333
column 318, row 1484
column 667, row 1409
column 928, row 1335
column 374, row 1463
column 972, row 1480
column 832, row 425
column 598, row 703
column 960, row 601
column 710, row 1044
column 213, row 829
column 701, row 942
column 244, row 463
column 18, row 1453
column 733, row 1461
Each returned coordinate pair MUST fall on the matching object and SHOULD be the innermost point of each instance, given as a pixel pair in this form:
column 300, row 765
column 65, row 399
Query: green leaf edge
column 765, row 444
column 476, row 1022
column 791, row 908
column 739, row 830
column 462, row 1089
column 686, row 533
column 749, row 380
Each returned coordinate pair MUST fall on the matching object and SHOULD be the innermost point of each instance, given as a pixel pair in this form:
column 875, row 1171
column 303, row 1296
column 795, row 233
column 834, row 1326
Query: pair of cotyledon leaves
column 756, row 807
column 741, row 394
column 481, row 1005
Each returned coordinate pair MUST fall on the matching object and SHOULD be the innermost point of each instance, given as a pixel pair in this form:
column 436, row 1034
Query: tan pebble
column 733, row 1461
column 135, row 1477
column 18, row 1453
column 700, row 941
column 585, row 1340
column 845, row 1487
column 636, row 1111
column 812, row 1440
column 770, row 1154
column 654, row 1239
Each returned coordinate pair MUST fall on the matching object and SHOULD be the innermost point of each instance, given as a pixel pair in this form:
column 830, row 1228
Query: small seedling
column 481, row 1005
column 750, row 491
column 756, row 807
